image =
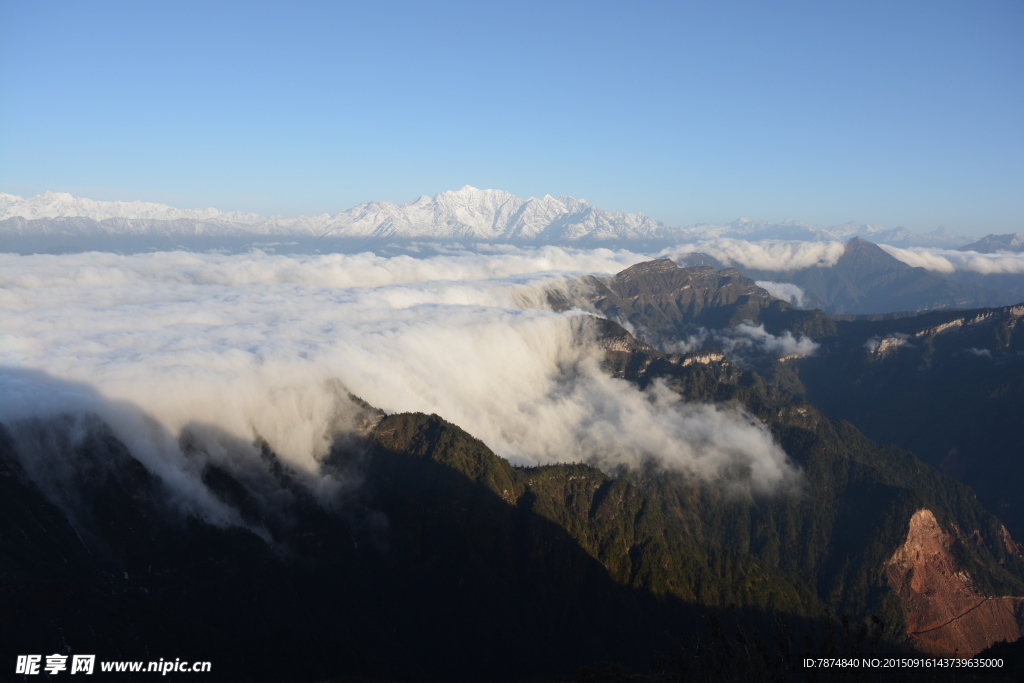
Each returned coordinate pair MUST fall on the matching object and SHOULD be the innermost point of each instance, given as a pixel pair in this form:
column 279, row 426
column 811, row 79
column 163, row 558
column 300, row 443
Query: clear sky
column 895, row 113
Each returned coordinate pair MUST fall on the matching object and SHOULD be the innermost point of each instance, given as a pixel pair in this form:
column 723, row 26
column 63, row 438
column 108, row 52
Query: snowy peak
column 490, row 215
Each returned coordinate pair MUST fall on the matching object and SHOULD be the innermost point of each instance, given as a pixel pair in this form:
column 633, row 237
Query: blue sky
column 892, row 113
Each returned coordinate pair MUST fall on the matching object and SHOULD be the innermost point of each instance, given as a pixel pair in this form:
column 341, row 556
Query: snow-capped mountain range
column 468, row 214
column 64, row 205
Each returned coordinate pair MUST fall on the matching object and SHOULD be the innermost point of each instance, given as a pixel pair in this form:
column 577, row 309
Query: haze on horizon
column 900, row 114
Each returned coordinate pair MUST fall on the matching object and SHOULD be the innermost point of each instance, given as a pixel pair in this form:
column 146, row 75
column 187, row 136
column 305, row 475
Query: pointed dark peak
column 859, row 243
column 863, row 255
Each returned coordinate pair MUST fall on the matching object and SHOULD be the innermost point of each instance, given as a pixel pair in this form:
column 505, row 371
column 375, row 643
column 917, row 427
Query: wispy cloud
column 745, row 336
column 784, row 290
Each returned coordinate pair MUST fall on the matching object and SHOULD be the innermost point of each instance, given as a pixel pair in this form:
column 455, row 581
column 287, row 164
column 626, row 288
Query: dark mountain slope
column 825, row 544
column 659, row 294
column 458, row 584
column 922, row 402
column 947, row 385
column 830, row 453
column 664, row 301
column 449, row 564
column 568, row 564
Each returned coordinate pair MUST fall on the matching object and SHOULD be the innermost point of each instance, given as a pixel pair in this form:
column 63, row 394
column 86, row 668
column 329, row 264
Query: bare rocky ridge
column 946, row 614
column 660, row 297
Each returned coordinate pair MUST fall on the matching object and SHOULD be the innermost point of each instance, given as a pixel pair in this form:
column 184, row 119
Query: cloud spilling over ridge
column 951, row 260
column 783, row 290
column 226, row 348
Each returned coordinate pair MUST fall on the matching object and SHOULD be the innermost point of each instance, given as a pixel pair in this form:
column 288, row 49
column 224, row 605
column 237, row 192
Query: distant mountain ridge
column 64, row 205
column 866, row 279
column 993, row 243
column 468, row 214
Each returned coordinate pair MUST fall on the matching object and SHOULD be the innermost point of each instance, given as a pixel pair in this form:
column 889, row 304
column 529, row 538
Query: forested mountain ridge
column 946, row 385
column 447, row 549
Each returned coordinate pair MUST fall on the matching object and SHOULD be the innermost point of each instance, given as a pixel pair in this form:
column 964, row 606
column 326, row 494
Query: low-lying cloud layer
column 951, row 260
column 769, row 255
column 783, row 256
column 227, row 348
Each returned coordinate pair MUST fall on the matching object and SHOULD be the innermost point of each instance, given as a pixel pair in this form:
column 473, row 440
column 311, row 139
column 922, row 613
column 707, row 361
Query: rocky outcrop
column 885, row 347
column 703, row 357
column 946, row 614
column 663, row 301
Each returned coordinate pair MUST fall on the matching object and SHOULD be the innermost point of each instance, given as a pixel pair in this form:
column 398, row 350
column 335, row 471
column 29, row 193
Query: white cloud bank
column 771, row 255
column 779, row 256
column 951, row 260
column 782, row 256
column 225, row 348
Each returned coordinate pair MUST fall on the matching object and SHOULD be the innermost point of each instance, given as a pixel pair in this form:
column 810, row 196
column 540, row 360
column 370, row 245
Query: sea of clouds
column 219, row 350
column 952, row 260
column 181, row 352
